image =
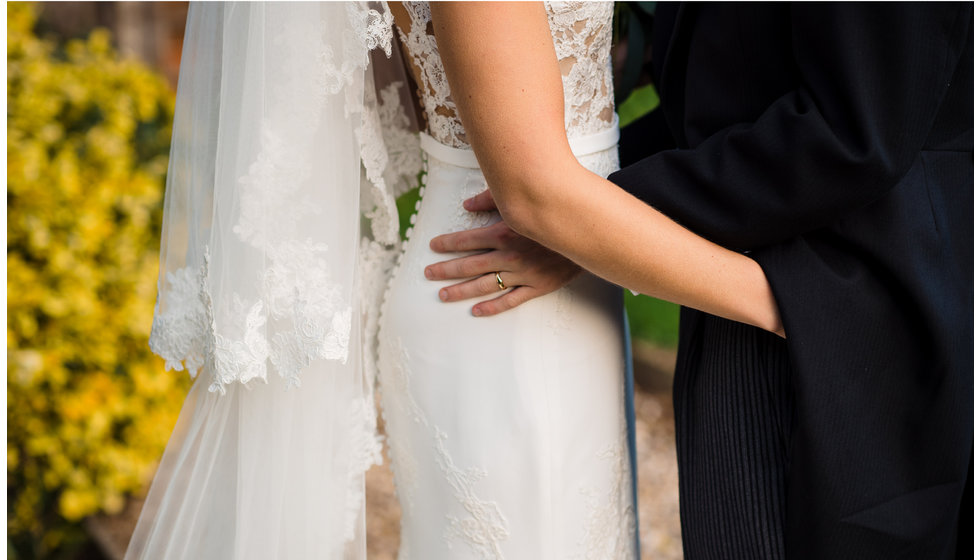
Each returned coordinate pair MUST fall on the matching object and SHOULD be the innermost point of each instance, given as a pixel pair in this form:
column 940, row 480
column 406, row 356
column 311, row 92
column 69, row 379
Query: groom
column 833, row 143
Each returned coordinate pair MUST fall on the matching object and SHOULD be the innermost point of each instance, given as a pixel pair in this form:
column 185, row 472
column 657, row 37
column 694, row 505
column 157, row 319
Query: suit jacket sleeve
column 871, row 80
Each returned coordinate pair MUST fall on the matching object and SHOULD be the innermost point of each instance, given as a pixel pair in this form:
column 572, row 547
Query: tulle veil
column 292, row 137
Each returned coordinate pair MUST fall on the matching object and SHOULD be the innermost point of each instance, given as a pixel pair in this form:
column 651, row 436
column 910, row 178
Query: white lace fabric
column 262, row 294
column 582, row 37
column 268, row 281
column 489, row 457
column 277, row 150
column 583, row 40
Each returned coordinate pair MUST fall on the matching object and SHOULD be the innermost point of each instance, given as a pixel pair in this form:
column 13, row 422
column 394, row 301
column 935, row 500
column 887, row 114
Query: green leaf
column 641, row 101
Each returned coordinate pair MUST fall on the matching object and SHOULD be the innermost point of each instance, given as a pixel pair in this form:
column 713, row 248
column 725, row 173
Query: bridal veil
column 283, row 151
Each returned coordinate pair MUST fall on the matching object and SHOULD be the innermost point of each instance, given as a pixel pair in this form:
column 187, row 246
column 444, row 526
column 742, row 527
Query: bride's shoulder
column 580, row 10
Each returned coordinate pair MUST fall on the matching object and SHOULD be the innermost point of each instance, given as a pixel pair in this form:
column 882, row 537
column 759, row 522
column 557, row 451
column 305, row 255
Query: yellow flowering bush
column 89, row 409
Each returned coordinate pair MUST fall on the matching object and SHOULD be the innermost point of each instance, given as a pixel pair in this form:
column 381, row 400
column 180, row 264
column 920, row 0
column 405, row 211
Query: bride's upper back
column 582, row 35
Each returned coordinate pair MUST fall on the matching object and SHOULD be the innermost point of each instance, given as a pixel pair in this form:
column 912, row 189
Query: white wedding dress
column 507, row 434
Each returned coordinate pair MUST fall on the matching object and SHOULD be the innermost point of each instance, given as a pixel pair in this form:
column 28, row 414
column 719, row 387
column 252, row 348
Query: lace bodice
column 582, row 35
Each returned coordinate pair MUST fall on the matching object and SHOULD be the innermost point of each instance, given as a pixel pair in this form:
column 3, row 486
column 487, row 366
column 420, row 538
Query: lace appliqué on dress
column 604, row 535
column 484, row 528
column 437, row 101
column 391, row 158
column 582, row 38
column 376, row 264
column 583, row 41
column 463, row 219
column 393, row 360
column 603, row 163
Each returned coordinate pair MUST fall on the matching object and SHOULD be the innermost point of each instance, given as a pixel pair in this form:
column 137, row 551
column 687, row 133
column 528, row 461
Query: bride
column 507, row 434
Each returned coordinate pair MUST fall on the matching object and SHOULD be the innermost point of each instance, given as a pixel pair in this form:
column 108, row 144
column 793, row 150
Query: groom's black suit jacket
column 834, row 144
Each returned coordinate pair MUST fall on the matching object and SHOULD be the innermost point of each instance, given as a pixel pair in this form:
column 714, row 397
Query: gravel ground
column 657, row 491
column 660, row 523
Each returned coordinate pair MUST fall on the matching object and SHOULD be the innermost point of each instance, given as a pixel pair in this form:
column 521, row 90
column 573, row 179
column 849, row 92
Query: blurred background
column 90, row 97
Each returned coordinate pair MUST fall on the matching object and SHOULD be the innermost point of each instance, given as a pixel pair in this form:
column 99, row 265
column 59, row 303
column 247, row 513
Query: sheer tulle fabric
column 254, row 473
column 264, row 277
column 290, row 128
column 257, row 263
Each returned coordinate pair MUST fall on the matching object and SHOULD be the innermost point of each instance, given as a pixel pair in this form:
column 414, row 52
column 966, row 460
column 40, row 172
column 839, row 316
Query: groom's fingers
column 505, row 302
column 482, row 202
column 482, row 286
column 468, row 266
column 468, row 240
column 493, row 236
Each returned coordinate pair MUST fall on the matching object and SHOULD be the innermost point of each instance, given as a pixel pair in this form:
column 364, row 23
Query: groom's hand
column 527, row 269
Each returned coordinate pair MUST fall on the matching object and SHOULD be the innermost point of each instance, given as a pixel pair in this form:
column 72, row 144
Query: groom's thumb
column 482, row 202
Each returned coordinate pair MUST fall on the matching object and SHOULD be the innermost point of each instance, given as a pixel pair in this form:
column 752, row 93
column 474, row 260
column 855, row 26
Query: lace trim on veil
column 255, row 274
column 296, row 285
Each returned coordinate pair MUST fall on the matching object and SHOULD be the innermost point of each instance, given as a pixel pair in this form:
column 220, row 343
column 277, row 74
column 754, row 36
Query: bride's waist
column 582, row 146
column 453, row 175
column 444, row 188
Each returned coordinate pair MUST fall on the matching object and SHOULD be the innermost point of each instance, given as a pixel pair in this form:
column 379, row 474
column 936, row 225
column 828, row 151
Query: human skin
column 502, row 69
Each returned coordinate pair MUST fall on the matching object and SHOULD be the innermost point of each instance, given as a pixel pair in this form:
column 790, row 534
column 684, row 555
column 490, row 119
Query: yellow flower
column 13, row 458
column 89, row 408
column 76, row 504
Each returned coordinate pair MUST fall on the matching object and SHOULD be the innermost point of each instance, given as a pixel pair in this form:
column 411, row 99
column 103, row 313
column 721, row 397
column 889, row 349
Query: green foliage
column 89, row 409
column 653, row 320
column 640, row 101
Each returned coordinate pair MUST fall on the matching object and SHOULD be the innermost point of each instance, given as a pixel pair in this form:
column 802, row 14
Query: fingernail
column 443, row 295
column 428, row 273
column 477, row 312
column 468, row 203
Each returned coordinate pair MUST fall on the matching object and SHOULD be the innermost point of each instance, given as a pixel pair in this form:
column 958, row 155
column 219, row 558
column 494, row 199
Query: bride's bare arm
column 502, row 69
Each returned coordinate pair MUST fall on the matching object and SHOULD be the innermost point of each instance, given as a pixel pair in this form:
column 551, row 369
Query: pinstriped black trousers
column 733, row 412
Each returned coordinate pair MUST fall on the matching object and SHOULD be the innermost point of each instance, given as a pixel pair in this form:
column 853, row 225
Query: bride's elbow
column 519, row 215
column 525, row 197
column 522, row 207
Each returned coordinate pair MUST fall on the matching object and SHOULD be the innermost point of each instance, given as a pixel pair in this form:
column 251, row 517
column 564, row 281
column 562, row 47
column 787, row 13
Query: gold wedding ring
column 500, row 283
